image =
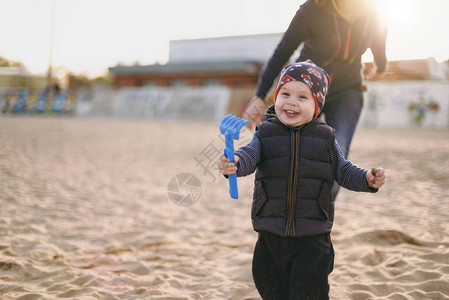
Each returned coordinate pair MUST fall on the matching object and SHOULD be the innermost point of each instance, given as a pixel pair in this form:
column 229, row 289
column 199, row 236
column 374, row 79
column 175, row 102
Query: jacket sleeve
column 347, row 174
column 378, row 46
column 249, row 156
column 290, row 41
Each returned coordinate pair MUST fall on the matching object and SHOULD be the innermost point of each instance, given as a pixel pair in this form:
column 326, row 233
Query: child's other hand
column 376, row 178
column 226, row 167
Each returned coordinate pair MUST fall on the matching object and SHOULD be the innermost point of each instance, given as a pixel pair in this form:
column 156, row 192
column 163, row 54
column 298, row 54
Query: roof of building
column 256, row 47
column 14, row 71
column 189, row 67
column 415, row 69
column 247, row 54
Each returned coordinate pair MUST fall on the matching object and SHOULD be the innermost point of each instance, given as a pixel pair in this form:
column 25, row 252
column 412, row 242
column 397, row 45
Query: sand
column 85, row 214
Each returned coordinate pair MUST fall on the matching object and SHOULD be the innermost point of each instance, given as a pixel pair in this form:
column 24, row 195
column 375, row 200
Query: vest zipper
column 292, row 184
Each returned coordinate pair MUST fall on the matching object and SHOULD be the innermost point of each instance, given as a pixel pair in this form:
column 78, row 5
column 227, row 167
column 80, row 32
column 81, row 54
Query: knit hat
column 312, row 75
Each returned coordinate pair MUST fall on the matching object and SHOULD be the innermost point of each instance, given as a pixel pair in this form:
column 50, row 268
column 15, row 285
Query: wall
column 387, row 104
column 406, row 103
column 183, row 103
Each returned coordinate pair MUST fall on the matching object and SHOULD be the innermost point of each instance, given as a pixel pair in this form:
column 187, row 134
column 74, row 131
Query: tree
column 7, row 63
column 4, row 62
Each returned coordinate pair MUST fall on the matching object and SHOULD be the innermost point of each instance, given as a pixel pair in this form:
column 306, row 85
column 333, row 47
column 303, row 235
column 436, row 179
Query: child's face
column 295, row 105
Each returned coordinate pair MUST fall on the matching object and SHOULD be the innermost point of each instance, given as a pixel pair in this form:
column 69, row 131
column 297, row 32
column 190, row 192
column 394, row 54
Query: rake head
column 230, row 126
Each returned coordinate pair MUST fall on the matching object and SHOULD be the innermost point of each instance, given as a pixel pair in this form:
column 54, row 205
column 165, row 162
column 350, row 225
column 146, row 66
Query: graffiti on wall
column 405, row 104
column 50, row 100
column 181, row 103
column 423, row 107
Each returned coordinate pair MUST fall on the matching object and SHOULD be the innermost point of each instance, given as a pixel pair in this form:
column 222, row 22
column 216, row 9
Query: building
column 411, row 93
column 14, row 77
column 236, row 61
column 233, row 62
column 235, row 73
column 17, row 82
column 416, row 69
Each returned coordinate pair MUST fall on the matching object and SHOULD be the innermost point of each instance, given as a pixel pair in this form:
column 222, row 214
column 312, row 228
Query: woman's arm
column 378, row 47
column 290, row 41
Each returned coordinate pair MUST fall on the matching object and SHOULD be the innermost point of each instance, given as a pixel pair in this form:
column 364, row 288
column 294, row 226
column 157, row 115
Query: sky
column 88, row 36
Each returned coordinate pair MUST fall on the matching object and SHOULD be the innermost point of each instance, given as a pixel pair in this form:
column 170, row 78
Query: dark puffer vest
column 293, row 182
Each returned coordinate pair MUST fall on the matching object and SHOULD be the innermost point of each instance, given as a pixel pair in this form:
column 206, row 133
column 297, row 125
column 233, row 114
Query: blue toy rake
column 230, row 127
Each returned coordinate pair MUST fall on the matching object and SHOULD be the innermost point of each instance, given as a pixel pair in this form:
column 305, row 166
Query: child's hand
column 375, row 178
column 226, row 167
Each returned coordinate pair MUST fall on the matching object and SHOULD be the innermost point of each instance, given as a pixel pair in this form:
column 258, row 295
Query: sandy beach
column 87, row 212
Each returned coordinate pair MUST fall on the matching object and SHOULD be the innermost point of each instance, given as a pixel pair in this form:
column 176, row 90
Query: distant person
column 59, row 98
column 296, row 159
column 333, row 34
column 7, row 105
column 21, row 103
column 41, row 105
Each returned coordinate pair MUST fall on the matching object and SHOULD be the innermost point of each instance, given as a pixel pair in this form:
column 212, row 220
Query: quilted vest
column 293, row 181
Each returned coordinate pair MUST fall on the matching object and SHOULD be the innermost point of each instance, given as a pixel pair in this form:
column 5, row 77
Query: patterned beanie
column 312, row 75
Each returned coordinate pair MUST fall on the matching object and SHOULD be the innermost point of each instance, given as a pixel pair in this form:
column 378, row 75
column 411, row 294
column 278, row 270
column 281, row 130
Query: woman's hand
column 254, row 112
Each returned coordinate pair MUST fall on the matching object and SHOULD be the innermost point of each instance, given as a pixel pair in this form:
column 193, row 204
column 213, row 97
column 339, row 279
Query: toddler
column 296, row 159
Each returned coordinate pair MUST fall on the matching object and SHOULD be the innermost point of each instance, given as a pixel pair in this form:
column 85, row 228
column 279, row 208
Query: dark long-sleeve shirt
column 346, row 174
column 331, row 42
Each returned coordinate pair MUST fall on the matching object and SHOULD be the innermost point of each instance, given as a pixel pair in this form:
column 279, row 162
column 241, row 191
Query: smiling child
column 296, row 159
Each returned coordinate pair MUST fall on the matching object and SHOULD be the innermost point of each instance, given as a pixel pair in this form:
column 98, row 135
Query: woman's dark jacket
column 331, row 42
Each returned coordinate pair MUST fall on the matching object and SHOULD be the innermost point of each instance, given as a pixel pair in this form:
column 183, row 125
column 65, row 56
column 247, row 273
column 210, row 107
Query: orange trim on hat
column 277, row 92
column 316, row 106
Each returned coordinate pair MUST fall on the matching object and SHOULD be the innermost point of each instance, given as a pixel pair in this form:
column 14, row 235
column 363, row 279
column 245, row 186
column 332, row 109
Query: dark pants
column 293, row 268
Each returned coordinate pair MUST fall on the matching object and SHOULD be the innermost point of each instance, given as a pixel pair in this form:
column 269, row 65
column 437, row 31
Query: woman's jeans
column 342, row 112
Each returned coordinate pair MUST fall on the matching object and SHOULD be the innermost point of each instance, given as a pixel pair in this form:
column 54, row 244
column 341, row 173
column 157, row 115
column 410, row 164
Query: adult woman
column 333, row 34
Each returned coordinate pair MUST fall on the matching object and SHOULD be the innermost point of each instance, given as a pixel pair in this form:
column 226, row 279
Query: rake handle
column 229, row 153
